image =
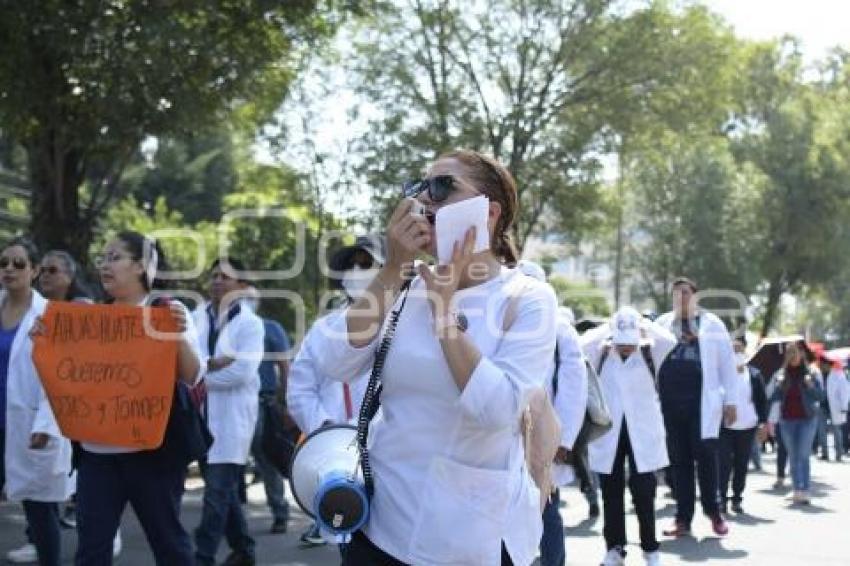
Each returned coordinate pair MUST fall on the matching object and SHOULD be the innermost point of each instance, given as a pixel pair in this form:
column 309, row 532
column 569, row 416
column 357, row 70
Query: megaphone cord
column 372, row 396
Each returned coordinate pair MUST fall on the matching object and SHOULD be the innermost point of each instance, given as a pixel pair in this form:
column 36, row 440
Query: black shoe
column 737, row 508
column 279, row 526
column 237, row 558
column 593, row 512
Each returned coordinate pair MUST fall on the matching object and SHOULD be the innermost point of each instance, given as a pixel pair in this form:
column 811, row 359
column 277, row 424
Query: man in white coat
column 838, row 395
column 626, row 351
column 697, row 385
column 231, row 338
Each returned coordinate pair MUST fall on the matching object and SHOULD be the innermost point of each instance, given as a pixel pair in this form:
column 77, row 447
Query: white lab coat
column 570, row 402
column 232, row 392
column 449, row 468
column 719, row 369
column 37, row 475
column 313, row 397
column 838, row 394
column 630, row 392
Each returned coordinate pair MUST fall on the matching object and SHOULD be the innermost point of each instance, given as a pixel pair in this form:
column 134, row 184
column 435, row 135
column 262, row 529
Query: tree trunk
column 774, row 294
column 56, row 174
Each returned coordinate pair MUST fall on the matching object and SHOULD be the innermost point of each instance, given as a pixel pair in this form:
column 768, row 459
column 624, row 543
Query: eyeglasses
column 18, row 263
column 438, row 187
column 101, row 260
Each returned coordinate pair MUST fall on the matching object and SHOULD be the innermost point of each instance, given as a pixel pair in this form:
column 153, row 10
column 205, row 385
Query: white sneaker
column 116, row 544
column 614, row 557
column 24, row 555
column 652, row 558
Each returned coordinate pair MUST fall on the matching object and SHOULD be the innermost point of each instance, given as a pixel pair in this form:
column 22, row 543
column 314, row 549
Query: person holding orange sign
column 151, row 481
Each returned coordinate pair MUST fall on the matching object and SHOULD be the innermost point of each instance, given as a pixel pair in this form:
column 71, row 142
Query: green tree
column 540, row 84
column 696, row 214
column 797, row 135
column 82, row 83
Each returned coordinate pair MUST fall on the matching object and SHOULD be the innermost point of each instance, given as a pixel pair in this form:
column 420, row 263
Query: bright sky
column 820, row 24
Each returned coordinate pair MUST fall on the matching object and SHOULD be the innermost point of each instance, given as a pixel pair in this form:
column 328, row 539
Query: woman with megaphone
column 444, row 461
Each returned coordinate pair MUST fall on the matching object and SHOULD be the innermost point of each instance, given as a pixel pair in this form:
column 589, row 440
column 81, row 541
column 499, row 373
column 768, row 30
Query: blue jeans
column 272, row 480
column 552, row 547
column 798, row 435
column 43, row 531
column 821, row 435
column 838, row 435
column 222, row 514
column 755, row 453
column 152, row 484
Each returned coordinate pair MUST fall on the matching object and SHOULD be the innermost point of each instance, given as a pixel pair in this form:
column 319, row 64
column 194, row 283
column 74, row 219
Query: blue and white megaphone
column 327, row 483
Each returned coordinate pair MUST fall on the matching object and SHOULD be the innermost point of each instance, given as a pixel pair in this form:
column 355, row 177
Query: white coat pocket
column 461, row 515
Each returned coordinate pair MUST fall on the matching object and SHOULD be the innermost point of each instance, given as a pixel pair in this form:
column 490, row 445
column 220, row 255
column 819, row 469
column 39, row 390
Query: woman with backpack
column 466, row 345
column 626, row 352
column 151, row 481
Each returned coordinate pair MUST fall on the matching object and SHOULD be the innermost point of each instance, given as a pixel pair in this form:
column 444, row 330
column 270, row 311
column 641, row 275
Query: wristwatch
column 452, row 319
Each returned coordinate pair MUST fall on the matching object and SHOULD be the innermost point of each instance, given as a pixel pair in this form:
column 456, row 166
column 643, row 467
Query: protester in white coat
column 231, row 338
column 313, row 399
column 623, row 350
column 838, row 395
column 37, row 457
column 567, row 388
column 445, row 450
column 698, row 386
column 568, row 391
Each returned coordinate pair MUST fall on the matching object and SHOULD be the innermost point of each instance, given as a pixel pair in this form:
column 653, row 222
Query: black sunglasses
column 18, row 263
column 439, row 187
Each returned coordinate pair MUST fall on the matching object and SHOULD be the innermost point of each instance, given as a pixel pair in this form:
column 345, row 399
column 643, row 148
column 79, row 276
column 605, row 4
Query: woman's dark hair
column 148, row 251
column 29, row 246
column 496, row 182
column 77, row 289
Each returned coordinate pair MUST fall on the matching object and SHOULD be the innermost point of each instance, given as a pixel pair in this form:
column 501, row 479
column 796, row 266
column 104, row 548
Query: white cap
column 625, row 326
column 532, row 270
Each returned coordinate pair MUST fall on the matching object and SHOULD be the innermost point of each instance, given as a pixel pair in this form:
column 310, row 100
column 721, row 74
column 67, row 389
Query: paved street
column 771, row 534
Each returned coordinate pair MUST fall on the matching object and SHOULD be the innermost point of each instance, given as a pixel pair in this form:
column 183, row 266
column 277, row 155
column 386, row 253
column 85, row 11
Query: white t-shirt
column 450, row 480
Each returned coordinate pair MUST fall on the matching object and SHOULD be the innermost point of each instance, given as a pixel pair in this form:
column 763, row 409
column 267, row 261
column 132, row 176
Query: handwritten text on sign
column 108, row 380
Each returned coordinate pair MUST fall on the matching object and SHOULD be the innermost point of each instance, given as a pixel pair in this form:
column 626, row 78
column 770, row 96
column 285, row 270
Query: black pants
column 43, row 530
column 363, row 552
column 152, row 485
column 735, row 448
column 686, row 446
column 642, row 487
column 2, row 457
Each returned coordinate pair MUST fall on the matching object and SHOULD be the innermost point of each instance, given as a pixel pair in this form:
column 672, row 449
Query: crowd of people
column 435, row 362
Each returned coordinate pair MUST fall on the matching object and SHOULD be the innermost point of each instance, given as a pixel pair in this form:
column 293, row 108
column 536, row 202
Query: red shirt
column 792, row 406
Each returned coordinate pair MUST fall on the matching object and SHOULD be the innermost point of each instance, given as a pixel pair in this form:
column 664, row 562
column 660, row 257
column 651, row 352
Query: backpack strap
column 646, row 353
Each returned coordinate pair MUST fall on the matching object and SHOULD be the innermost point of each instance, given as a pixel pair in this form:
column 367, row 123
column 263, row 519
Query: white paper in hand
column 454, row 220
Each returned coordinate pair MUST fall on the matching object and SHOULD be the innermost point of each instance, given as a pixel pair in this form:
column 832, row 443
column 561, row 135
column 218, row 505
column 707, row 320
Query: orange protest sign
column 108, row 379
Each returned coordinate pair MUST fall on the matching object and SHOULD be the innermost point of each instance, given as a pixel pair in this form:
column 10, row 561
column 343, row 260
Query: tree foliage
column 540, row 84
column 83, row 82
